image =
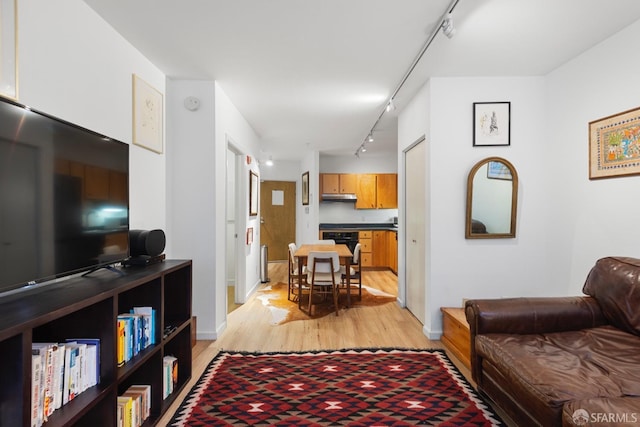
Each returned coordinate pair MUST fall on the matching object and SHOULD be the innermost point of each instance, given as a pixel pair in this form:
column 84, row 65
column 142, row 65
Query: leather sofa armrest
column 533, row 315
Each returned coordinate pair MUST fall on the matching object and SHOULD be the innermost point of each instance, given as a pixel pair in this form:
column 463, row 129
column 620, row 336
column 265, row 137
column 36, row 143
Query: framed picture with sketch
column 491, row 123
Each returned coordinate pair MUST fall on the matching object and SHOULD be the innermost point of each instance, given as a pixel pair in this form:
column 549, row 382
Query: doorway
column 278, row 218
column 234, row 261
column 415, row 235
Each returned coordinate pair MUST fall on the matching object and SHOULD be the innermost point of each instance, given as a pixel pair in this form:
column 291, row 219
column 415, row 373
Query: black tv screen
column 64, row 198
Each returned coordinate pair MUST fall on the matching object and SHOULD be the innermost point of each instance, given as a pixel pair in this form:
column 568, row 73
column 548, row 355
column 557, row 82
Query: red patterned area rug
column 382, row 387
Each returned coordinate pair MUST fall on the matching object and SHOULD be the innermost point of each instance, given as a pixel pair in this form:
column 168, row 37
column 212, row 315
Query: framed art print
column 147, row 116
column 9, row 48
column 614, row 145
column 253, row 193
column 305, row 188
column 491, row 123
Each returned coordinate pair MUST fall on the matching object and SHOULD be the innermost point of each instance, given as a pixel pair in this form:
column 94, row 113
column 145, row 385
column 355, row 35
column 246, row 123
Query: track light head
column 370, row 138
column 390, row 106
column 447, row 26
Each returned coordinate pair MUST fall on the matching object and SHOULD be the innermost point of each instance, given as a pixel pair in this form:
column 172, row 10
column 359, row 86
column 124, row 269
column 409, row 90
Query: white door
column 415, row 205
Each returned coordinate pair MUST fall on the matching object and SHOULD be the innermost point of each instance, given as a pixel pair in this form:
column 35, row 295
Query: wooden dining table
column 344, row 253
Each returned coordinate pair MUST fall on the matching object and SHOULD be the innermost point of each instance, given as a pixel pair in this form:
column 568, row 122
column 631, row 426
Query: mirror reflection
column 492, row 192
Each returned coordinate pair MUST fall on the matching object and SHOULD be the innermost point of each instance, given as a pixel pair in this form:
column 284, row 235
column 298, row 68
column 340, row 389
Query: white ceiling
column 317, row 74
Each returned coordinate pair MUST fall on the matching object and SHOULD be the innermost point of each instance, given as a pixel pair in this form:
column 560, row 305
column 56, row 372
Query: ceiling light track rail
column 446, row 25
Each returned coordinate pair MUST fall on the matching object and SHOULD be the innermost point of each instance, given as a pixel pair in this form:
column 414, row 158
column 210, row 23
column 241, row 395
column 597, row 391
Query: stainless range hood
column 330, row 197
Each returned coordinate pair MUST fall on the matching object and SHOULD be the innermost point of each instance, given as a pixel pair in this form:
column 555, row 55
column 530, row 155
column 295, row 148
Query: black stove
column 349, row 238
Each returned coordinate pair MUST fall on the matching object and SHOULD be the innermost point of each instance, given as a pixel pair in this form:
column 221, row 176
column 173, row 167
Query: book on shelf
column 125, row 414
column 61, row 371
column 149, row 324
column 139, row 398
column 170, row 375
column 37, row 417
column 92, row 371
column 136, row 331
column 121, row 341
column 52, row 375
column 71, row 374
column 145, row 392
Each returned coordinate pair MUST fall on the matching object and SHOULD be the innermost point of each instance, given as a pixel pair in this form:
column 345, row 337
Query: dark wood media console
column 87, row 307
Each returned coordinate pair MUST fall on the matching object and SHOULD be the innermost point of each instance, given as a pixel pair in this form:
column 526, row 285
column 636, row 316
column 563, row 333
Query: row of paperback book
column 134, row 406
column 136, row 331
column 60, row 372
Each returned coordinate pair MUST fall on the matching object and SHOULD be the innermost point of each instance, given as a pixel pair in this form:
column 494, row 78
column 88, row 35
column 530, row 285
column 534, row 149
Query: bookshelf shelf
column 87, row 307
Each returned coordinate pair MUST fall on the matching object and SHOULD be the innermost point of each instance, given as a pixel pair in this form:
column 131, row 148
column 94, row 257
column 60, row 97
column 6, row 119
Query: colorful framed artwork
column 147, row 116
column 614, row 145
column 9, row 48
column 305, row 188
column 491, row 123
column 249, row 235
column 253, row 193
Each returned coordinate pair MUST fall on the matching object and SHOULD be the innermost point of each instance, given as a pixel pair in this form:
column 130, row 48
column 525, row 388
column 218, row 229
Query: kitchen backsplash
column 344, row 212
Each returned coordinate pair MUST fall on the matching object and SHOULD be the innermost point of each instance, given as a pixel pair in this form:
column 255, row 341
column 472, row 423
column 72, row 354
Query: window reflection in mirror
column 492, row 192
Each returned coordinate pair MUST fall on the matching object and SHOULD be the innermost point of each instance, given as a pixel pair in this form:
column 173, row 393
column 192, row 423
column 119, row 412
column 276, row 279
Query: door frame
column 402, row 232
column 240, row 194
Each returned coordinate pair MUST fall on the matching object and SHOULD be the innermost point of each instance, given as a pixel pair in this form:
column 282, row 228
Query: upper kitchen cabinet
column 387, row 190
column 366, row 191
column 377, row 191
column 333, row 183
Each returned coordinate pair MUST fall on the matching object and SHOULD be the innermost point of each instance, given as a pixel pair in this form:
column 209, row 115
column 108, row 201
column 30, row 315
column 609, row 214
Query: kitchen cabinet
column 366, row 191
column 377, row 191
column 334, row 183
column 379, row 252
column 392, row 250
column 387, row 191
column 366, row 246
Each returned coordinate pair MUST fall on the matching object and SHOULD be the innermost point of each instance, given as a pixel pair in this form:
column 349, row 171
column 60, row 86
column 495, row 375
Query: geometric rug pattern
column 357, row 387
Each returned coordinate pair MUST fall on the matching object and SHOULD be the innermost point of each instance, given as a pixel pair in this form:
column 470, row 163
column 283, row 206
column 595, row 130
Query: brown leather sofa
column 563, row 360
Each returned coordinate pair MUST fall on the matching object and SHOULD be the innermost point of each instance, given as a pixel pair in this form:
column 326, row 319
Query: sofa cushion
column 615, row 284
column 555, row 368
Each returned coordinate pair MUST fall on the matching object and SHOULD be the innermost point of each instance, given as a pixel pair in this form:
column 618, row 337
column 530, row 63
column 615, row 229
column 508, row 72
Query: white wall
column 198, row 181
column 307, row 217
column 565, row 221
column 74, row 66
column 591, row 218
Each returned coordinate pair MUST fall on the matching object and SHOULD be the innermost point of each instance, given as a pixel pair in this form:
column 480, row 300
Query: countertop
column 358, row 226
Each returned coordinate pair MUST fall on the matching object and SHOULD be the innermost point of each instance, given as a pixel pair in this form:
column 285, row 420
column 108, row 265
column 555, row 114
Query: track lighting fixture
column 390, row 106
column 447, row 26
column 269, row 161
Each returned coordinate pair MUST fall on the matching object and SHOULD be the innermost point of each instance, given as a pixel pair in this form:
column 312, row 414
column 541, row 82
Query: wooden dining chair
column 323, row 276
column 355, row 270
column 297, row 282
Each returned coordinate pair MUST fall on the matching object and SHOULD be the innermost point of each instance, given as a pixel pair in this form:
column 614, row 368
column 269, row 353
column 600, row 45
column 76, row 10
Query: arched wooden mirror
column 492, row 199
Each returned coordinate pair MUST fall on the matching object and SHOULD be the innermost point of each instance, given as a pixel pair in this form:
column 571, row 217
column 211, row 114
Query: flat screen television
column 64, row 198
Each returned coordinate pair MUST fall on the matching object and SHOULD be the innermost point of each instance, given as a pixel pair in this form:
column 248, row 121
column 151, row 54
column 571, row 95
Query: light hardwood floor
column 249, row 329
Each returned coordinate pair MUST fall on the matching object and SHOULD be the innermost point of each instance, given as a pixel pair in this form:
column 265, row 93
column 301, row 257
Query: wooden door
column 415, row 233
column 278, row 220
